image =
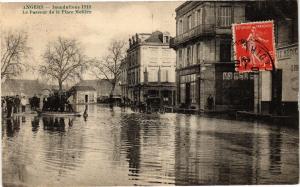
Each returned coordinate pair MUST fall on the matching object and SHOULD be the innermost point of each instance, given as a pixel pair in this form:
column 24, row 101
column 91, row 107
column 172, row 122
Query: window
column 164, row 75
column 193, row 92
column 196, row 18
column 167, row 76
column 198, row 53
column 182, row 93
column 189, row 22
column 199, row 19
column 189, row 56
column 177, row 28
column 225, row 51
column 152, row 75
column 180, row 27
column 225, row 16
column 180, row 58
column 145, row 75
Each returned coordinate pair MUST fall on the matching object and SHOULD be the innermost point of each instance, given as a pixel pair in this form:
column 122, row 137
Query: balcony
column 200, row 30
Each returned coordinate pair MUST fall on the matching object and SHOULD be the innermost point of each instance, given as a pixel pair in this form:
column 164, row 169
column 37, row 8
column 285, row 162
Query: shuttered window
column 225, row 16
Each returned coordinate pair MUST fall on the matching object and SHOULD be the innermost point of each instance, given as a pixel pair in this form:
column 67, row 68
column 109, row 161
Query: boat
column 58, row 114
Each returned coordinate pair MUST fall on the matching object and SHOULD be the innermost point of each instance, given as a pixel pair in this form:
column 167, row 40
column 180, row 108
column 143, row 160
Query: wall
column 80, row 97
column 287, row 60
column 155, row 57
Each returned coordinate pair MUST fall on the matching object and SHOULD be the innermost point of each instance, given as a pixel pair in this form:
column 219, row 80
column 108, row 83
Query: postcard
column 149, row 93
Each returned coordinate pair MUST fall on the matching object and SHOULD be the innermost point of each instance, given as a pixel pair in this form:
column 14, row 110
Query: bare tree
column 63, row 60
column 110, row 66
column 14, row 50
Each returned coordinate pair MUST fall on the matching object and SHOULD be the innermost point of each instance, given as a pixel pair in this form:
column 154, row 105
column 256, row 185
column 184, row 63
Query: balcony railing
column 200, row 30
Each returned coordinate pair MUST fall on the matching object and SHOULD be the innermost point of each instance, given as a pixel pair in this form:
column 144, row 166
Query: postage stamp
column 254, row 46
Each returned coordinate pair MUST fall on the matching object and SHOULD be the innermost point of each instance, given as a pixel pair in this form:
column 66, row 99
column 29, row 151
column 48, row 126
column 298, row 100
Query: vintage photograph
column 149, row 93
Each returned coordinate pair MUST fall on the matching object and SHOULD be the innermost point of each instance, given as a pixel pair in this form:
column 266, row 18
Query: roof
column 21, row 86
column 102, row 86
column 155, row 37
column 83, row 88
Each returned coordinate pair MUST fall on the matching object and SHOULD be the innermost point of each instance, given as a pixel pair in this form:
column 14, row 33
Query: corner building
column 151, row 68
column 204, row 57
column 277, row 92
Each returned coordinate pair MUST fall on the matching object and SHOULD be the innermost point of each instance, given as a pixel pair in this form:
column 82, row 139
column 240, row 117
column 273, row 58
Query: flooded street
column 120, row 147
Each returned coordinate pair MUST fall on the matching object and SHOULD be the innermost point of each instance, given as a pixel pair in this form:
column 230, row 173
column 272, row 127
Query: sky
column 108, row 20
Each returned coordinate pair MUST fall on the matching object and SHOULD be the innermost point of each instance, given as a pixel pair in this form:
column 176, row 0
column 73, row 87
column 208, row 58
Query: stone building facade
column 204, row 57
column 123, row 79
column 151, row 68
column 278, row 88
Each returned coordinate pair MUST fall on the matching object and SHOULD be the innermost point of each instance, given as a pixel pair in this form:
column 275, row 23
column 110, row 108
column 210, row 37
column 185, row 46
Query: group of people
column 13, row 104
column 57, row 102
column 34, row 102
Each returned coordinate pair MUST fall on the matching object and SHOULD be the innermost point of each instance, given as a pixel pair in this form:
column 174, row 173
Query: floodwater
column 120, row 147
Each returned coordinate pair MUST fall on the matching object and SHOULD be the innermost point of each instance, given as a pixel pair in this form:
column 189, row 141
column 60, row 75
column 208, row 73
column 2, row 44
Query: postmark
column 254, row 46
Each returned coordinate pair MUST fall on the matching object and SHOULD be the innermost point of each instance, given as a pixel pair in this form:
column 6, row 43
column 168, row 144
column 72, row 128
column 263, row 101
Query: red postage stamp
column 254, row 46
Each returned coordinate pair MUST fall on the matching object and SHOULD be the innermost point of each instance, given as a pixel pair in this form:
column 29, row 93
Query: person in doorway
column 210, row 102
column 23, row 103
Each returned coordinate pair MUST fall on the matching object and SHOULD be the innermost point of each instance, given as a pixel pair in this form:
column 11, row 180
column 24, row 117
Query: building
column 103, row 87
column 28, row 88
column 151, row 68
column 84, row 94
column 278, row 89
column 204, row 56
column 123, row 78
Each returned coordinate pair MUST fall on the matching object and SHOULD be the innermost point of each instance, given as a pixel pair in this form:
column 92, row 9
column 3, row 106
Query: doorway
column 188, row 94
column 86, row 99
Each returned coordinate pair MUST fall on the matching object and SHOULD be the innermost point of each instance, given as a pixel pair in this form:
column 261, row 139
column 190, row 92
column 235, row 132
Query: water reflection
column 35, row 123
column 63, row 147
column 54, row 124
column 216, row 153
column 130, row 138
column 275, row 153
column 120, row 147
column 13, row 126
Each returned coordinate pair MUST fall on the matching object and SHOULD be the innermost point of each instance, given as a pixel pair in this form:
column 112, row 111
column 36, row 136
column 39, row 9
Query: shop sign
column 237, row 76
